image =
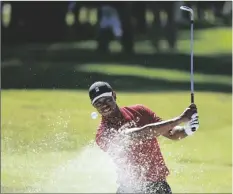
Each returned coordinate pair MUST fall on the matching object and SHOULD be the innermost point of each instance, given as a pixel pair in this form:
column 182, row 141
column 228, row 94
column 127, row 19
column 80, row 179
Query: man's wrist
column 179, row 128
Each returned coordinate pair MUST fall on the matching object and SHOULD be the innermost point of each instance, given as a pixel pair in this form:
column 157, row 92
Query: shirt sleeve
column 153, row 118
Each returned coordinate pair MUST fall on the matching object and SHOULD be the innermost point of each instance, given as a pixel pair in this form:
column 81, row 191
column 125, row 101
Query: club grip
column 192, row 98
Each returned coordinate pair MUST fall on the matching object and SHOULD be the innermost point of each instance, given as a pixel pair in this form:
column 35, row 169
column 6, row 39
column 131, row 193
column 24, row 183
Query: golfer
column 129, row 135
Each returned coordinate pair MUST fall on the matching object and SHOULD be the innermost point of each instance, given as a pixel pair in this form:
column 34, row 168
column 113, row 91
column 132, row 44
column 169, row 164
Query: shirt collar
column 125, row 114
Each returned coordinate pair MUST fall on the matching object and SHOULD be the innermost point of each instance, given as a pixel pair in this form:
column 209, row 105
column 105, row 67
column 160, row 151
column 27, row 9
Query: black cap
column 99, row 89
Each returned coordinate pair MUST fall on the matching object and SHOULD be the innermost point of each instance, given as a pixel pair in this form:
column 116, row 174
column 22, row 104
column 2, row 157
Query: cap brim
column 106, row 94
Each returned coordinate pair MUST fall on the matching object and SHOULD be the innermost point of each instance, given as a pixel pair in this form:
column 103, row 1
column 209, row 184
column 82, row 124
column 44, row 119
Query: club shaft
column 192, row 77
column 188, row 9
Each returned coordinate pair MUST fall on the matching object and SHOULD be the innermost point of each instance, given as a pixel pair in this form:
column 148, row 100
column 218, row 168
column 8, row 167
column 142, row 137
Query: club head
column 185, row 8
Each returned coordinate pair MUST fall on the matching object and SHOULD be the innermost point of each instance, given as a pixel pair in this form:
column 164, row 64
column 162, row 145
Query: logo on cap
column 97, row 89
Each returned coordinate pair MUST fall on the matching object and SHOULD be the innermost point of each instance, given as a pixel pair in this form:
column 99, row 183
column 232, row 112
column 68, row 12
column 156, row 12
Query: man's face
column 105, row 105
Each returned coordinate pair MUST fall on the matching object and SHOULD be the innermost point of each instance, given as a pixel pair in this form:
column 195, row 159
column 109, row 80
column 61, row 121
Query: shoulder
column 139, row 108
column 134, row 107
column 144, row 111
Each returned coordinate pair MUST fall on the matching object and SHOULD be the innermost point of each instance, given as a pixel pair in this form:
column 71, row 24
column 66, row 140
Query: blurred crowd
column 118, row 20
column 115, row 19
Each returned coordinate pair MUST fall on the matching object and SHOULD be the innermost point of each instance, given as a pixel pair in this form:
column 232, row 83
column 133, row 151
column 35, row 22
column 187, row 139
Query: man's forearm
column 176, row 133
column 154, row 129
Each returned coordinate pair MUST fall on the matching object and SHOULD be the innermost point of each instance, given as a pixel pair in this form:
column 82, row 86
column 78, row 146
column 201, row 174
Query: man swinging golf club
column 129, row 135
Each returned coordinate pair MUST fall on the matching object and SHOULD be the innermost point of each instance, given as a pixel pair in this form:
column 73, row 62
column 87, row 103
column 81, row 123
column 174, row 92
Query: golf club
column 185, row 8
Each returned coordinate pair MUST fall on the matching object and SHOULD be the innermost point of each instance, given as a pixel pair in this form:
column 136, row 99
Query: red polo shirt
column 141, row 160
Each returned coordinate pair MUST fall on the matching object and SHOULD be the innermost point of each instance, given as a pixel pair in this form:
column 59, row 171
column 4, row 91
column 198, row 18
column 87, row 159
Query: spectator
column 115, row 19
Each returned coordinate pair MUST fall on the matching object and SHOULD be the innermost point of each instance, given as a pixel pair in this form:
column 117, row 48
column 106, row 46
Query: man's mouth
column 106, row 110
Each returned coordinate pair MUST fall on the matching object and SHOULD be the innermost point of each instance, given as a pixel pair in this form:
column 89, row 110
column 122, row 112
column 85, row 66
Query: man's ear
column 114, row 95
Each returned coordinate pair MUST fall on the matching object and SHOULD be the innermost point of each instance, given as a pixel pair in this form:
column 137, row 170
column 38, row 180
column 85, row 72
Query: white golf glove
column 192, row 125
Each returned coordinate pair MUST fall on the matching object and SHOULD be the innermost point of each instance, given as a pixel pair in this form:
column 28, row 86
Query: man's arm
column 177, row 133
column 160, row 128
column 154, row 129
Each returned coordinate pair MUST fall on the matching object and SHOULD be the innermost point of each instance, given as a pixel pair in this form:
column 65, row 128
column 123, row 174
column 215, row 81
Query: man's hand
column 188, row 113
column 192, row 125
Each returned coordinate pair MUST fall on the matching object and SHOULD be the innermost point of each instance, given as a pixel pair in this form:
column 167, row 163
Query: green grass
column 215, row 41
column 43, row 129
column 159, row 73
